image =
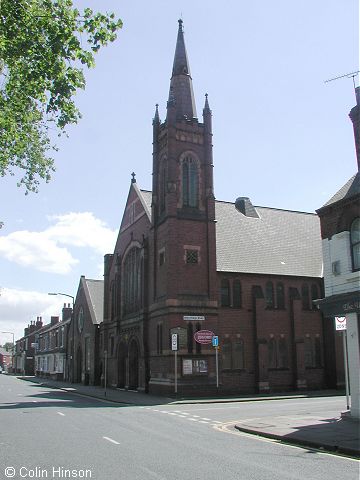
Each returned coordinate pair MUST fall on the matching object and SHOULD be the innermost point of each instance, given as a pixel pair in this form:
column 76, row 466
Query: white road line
column 111, row 440
column 60, row 413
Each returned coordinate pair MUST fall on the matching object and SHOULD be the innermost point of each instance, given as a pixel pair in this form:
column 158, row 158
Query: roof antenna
column 347, row 75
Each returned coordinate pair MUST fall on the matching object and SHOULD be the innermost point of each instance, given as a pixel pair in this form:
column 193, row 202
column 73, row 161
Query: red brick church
column 185, row 262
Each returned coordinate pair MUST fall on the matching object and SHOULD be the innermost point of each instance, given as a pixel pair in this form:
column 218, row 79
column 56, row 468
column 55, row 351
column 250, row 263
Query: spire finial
column 206, row 107
column 133, row 180
column 180, row 24
column 156, row 119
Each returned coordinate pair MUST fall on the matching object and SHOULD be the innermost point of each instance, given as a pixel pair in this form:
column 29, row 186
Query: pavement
column 340, row 434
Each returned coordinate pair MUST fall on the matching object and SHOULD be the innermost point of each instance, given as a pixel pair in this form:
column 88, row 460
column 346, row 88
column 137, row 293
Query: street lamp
column 13, row 348
column 73, row 330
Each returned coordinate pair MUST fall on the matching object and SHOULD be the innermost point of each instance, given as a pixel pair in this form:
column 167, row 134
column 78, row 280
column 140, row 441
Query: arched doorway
column 133, row 365
column 122, row 354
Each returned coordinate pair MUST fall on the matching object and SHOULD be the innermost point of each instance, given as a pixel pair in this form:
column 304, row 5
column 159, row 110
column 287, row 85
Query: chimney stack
column 355, row 118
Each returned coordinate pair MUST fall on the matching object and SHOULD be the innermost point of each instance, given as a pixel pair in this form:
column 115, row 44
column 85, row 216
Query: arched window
column 355, row 243
column 280, row 296
column 237, row 300
column 269, row 295
column 225, row 293
column 132, row 281
column 305, row 296
column 162, row 190
column 198, row 345
column 159, row 338
column 190, row 182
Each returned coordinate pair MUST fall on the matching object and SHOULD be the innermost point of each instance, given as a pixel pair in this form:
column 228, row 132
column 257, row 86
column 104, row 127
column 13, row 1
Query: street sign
column 215, row 341
column 340, row 323
column 204, row 336
column 193, row 318
column 174, row 341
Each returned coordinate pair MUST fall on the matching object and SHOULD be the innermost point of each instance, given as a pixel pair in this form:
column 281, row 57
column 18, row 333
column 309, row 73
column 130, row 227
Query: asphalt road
column 49, row 433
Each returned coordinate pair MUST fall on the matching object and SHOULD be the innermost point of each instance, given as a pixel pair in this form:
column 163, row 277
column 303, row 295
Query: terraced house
column 185, row 262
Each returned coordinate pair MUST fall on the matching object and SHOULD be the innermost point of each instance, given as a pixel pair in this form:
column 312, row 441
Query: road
column 49, row 433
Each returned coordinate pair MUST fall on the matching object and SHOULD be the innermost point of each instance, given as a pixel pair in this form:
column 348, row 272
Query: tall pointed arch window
column 355, row 243
column 132, row 281
column 269, row 295
column 190, row 182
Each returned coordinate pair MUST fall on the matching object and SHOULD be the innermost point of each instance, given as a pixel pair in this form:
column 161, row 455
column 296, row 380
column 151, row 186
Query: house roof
column 276, row 242
column 349, row 190
column 94, row 291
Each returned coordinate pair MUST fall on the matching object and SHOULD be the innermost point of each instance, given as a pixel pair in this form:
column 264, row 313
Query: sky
column 282, row 135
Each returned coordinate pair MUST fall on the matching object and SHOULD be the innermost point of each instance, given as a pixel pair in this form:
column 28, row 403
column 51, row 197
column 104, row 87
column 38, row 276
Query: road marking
column 111, row 440
column 60, row 413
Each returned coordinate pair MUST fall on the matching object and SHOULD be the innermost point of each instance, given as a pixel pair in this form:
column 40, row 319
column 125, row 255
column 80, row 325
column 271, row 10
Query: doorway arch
column 133, row 365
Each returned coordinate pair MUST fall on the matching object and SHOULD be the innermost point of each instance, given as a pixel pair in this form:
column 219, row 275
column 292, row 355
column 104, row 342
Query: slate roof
column 350, row 189
column 279, row 242
column 95, row 294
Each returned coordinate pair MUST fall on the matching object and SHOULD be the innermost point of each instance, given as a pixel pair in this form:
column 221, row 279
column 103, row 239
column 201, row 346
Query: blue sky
column 281, row 135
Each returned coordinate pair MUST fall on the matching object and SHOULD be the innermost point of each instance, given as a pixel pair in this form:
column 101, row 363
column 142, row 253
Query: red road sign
column 203, row 336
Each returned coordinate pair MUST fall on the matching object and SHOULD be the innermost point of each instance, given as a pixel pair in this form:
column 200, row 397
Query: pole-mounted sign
column 340, row 323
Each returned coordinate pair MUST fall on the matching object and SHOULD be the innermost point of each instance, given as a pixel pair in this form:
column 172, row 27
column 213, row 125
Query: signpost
column 174, row 347
column 340, row 325
column 215, row 343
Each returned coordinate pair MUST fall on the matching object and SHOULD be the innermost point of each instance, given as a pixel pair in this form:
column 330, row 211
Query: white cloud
column 19, row 307
column 46, row 251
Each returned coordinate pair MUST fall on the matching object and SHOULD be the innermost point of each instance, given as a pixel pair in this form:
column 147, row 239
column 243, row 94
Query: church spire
column 181, row 95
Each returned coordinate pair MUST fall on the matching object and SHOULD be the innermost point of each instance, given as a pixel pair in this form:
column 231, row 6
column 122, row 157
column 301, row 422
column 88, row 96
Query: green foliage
column 44, row 47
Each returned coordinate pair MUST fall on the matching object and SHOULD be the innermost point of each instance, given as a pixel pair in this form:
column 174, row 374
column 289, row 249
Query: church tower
column 183, row 204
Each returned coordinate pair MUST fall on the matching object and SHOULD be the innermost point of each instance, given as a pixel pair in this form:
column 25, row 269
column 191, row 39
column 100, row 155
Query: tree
column 44, row 47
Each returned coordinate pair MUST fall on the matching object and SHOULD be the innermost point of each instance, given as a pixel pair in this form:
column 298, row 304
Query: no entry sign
column 340, row 323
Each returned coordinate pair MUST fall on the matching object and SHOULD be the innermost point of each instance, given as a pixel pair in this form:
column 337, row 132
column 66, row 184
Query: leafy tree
column 8, row 346
column 44, row 47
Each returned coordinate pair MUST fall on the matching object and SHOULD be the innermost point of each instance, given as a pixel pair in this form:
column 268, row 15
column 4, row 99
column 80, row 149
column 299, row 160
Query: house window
column 225, row 293
column 269, row 295
column 313, row 352
column 355, row 243
column 190, row 182
column 280, row 296
column 278, row 353
column 237, row 300
column 305, row 297
column 192, row 256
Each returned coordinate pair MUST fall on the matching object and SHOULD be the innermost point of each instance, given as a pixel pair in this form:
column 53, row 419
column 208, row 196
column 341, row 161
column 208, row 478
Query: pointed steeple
column 181, row 95
column 156, row 119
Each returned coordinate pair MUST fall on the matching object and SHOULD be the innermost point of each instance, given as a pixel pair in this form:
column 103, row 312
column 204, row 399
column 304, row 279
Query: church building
column 187, row 264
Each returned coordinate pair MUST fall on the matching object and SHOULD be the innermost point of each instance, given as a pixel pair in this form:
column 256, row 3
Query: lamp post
column 73, row 330
column 13, row 348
